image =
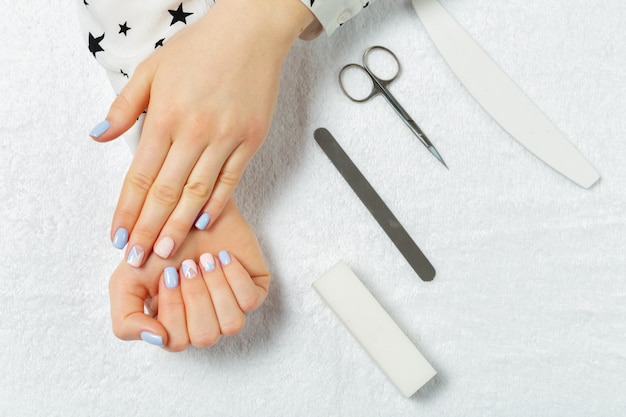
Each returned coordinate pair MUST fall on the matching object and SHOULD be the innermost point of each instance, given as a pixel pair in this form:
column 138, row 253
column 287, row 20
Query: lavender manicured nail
column 121, row 238
column 207, row 262
column 153, row 339
column 135, row 256
column 224, row 257
column 100, row 129
column 189, row 269
column 170, row 276
column 203, row 221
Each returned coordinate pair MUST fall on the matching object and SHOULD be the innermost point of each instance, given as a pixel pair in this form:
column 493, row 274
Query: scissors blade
column 500, row 97
column 375, row 205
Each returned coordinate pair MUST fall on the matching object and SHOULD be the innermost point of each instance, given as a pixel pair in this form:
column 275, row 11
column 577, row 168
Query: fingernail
column 224, row 257
column 203, row 221
column 164, row 247
column 135, row 256
column 189, row 268
column 121, row 238
column 170, row 276
column 100, row 128
column 153, row 339
column 207, row 262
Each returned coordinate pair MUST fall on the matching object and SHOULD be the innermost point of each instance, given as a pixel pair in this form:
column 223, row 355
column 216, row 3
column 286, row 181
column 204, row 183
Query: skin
column 210, row 94
column 200, row 309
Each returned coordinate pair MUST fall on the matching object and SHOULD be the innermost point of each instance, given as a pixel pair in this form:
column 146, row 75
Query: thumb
column 126, row 108
column 129, row 321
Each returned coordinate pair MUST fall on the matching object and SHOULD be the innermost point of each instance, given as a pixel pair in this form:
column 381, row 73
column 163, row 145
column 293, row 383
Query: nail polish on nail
column 121, row 238
column 170, row 276
column 189, row 268
column 100, row 129
column 207, row 262
column 135, row 256
column 203, row 221
column 164, row 247
column 224, row 257
column 153, row 339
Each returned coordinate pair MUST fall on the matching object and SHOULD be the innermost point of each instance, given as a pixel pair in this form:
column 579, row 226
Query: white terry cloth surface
column 527, row 315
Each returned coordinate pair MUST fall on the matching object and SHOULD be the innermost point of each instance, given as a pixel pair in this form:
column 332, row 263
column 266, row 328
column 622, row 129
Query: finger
column 127, row 297
column 194, row 196
column 202, row 325
column 227, row 181
column 172, row 311
column 229, row 316
column 160, row 201
column 127, row 106
column 142, row 173
column 248, row 294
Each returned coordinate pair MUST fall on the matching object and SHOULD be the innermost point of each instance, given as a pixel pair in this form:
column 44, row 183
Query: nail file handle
column 376, row 206
column 374, row 329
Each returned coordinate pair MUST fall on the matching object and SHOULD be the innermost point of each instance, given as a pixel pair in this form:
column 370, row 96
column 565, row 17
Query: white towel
column 525, row 317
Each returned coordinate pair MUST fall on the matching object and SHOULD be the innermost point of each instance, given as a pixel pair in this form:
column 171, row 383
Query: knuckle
column 165, row 194
column 118, row 331
column 234, row 325
column 198, row 124
column 197, row 190
column 178, row 228
column 165, row 121
column 143, row 234
column 229, row 178
column 139, row 181
column 170, row 307
column 257, row 131
column 126, row 215
column 249, row 303
column 121, row 104
column 142, row 69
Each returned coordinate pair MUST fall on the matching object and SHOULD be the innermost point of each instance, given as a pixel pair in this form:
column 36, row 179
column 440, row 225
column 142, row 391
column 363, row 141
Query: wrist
column 284, row 20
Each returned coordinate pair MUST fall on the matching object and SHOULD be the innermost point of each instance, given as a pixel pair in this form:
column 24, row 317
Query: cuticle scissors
column 379, row 86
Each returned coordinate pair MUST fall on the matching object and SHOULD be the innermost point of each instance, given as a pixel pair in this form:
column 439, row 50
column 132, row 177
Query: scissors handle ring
column 373, row 92
column 366, row 55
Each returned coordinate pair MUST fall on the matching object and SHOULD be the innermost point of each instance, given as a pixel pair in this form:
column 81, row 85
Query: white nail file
column 374, row 329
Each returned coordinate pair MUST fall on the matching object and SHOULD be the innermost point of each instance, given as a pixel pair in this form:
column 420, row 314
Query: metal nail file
column 375, row 205
column 500, row 96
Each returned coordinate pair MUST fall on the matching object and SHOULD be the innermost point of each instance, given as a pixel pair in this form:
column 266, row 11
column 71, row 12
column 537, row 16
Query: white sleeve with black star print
column 334, row 13
column 122, row 33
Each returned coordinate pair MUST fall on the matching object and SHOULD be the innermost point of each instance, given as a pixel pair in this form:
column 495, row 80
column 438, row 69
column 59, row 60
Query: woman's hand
column 210, row 93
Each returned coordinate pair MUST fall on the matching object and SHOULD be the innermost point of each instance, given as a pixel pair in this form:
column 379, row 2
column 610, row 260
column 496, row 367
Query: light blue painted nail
column 170, row 276
column 153, row 339
column 121, row 238
column 203, row 221
column 100, row 128
column 224, row 257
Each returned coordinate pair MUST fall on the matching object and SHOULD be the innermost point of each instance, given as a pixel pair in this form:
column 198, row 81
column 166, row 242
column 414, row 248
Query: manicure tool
column 374, row 329
column 500, row 97
column 379, row 86
column 375, row 205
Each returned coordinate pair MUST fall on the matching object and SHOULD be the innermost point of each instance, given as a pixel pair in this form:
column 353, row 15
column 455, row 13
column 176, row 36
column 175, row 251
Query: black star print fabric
column 122, row 33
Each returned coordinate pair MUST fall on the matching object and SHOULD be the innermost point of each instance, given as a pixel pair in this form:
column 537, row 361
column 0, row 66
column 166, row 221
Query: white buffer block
column 374, row 329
